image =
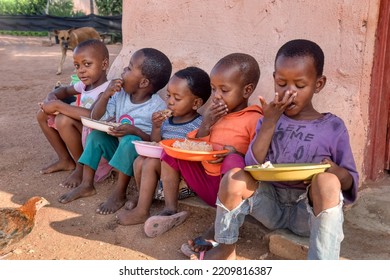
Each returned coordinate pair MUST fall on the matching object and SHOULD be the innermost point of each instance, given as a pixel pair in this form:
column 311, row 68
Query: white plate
column 98, row 125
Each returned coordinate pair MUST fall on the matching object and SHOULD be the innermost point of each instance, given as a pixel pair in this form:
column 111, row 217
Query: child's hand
column 214, row 112
column 122, row 130
column 342, row 174
column 333, row 166
column 51, row 107
column 113, row 87
column 277, row 106
column 220, row 157
column 158, row 118
column 325, row 160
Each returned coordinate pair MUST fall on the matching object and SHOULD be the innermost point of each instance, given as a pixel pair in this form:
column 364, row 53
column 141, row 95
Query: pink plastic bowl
column 148, row 149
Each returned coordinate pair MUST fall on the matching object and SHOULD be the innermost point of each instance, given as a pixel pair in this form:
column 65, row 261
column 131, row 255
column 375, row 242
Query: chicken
column 16, row 223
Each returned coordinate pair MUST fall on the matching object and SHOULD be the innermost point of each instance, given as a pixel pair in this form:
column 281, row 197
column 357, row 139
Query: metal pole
column 91, row 6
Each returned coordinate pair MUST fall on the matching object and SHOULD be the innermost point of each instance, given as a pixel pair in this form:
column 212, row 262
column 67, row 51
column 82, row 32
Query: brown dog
column 69, row 39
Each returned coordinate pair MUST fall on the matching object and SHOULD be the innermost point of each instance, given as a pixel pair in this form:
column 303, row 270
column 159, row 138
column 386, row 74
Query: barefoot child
column 188, row 90
column 131, row 102
column 60, row 122
column 228, row 121
column 292, row 131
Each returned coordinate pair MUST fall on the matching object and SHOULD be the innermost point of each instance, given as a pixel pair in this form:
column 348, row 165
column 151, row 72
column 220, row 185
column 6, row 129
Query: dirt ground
column 71, row 231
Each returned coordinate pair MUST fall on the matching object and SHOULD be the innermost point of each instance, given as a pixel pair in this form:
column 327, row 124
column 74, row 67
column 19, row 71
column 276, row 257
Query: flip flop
column 186, row 250
column 200, row 241
column 201, row 255
column 157, row 225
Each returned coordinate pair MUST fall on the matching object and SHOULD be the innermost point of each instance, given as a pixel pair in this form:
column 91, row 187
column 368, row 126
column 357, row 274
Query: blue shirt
column 170, row 130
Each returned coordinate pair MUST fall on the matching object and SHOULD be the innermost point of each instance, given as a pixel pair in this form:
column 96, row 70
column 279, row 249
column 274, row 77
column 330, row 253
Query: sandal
column 186, row 250
column 157, row 225
column 198, row 241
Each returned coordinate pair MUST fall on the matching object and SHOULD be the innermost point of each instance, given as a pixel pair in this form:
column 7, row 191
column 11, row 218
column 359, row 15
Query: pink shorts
column 51, row 121
column 204, row 185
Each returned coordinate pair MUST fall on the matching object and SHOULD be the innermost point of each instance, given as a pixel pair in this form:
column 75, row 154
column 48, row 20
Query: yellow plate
column 286, row 172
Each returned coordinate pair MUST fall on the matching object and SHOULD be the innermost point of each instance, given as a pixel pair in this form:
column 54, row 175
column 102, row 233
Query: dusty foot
column 221, row 252
column 132, row 217
column 112, row 204
column 131, row 204
column 60, row 165
column 73, row 180
column 78, row 192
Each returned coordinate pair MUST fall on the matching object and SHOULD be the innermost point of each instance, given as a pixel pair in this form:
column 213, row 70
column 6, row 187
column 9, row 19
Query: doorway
column 378, row 151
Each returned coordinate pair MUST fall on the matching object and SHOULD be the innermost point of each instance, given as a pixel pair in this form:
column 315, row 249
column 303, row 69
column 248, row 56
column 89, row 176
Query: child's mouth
column 291, row 106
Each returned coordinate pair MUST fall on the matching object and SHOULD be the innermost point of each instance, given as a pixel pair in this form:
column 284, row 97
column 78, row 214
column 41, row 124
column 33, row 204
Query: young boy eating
column 292, row 131
column 228, row 121
column 131, row 101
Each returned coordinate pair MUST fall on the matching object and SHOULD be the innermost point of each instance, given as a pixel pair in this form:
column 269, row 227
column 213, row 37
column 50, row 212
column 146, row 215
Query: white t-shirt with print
column 88, row 97
column 120, row 108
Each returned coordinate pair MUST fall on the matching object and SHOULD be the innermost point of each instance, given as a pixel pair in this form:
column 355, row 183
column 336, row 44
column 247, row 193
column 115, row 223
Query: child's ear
column 320, row 83
column 105, row 64
column 248, row 90
column 198, row 102
column 144, row 83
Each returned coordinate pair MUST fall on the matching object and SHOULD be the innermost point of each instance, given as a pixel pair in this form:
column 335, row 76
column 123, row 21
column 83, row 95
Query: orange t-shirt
column 235, row 129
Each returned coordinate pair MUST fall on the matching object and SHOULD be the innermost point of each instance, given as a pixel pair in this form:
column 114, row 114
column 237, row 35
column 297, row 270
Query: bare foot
column 221, row 252
column 73, row 180
column 60, row 165
column 131, row 204
column 78, row 192
column 112, row 204
column 132, row 217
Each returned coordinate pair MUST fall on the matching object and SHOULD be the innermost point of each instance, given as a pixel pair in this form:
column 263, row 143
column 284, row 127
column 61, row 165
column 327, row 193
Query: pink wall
column 84, row 6
column 201, row 32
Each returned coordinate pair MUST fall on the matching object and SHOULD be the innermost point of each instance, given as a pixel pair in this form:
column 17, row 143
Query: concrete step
column 287, row 245
column 281, row 243
column 366, row 228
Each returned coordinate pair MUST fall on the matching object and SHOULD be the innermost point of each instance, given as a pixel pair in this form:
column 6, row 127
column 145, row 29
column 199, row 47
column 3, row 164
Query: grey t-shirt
column 121, row 109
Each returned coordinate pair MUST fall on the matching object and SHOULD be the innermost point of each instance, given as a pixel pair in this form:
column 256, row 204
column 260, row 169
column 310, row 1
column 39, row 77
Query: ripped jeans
column 278, row 208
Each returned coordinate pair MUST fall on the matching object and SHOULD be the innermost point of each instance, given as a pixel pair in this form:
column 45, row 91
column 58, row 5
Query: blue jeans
column 120, row 153
column 278, row 208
